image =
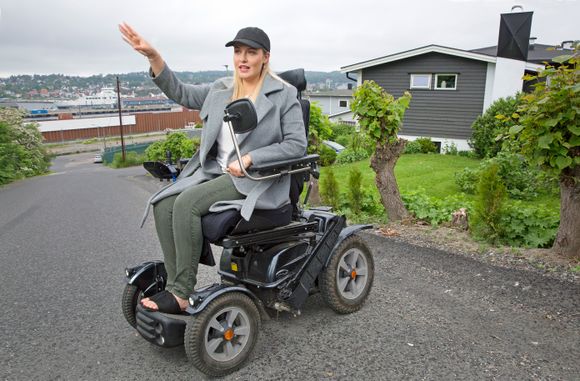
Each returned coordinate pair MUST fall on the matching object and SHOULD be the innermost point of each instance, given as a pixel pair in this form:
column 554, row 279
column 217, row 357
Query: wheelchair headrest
column 295, row 77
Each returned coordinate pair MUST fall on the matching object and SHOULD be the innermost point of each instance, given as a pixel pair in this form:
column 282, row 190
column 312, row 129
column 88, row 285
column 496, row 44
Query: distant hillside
column 63, row 86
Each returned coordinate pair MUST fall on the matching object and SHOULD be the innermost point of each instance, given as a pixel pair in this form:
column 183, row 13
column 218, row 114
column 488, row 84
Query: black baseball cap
column 253, row 37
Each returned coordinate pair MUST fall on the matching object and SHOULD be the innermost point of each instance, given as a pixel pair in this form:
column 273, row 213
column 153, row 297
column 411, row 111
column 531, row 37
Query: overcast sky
column 81, row 37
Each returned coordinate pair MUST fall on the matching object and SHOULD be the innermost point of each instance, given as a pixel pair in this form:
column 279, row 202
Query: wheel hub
column 229, row 334
column 353, row 274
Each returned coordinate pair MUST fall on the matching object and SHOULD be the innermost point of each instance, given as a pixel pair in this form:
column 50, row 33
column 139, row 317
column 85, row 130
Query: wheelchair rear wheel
column 220, row 339
column 347, row 280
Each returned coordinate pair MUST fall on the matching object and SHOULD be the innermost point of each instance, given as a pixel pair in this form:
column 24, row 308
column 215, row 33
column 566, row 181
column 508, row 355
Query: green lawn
column 432, row 174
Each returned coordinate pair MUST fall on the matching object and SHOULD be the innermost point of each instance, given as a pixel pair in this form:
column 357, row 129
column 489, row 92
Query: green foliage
column 489, row 205
column 431, row 209
column 521, row 180
column 320, row 129
column 327, row 155
column 487, row 127
column 427, row 145
column 450, row 149
column 132, row 159
column 549, row 118
column 329, row 190
column 179, row 145
column 528, row 226
column 350, row 156
column 21, row 151
column 412, row 146
column 355, row 192
column 379, row 114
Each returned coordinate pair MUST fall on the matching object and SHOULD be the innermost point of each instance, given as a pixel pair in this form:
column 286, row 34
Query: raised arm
column 142, row 46
column 190, row 96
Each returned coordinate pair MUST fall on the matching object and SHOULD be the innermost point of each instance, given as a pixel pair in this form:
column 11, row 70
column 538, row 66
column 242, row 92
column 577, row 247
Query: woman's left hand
column 234, row 167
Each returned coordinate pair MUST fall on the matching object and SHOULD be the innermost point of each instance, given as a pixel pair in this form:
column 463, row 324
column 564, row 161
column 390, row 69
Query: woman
column 213, row 179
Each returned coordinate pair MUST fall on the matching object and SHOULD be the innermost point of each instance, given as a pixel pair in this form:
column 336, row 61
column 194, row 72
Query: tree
column 380, row 116
column 21, row 151
column 549, row 135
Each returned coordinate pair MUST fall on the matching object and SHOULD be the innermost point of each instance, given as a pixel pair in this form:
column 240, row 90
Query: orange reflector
column 229, row 334
column 353, row 274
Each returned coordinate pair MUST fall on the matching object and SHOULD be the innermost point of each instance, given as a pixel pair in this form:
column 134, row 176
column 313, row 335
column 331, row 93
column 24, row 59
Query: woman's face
column 248, row 61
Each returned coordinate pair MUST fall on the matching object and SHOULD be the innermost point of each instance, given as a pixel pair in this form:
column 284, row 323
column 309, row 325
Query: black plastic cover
column 514, row 35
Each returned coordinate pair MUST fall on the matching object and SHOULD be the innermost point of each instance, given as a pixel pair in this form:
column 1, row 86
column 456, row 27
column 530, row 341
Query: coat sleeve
column 190, row 96
column 294, row 141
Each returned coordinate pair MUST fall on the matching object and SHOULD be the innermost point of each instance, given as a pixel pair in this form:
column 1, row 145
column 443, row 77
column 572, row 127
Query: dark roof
column 539, row 53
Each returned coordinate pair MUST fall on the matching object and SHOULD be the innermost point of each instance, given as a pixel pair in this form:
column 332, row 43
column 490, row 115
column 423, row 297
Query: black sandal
column 165, row 303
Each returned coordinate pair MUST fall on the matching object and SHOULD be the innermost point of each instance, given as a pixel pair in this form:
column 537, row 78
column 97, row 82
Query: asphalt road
column 66, row 238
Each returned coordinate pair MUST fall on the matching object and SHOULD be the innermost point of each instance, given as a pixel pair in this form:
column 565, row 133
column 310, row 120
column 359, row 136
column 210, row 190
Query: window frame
column 446, row 88
column 343, row 100
column 428, row 87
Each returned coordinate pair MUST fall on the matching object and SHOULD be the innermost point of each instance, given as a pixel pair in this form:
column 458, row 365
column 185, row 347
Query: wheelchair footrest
column 161, row 329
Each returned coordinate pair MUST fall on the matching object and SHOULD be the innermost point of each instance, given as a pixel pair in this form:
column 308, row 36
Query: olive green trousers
column 178, row 224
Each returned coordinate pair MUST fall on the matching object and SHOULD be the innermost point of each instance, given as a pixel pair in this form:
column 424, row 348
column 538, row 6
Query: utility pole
column 120, row 118
column 227, row 71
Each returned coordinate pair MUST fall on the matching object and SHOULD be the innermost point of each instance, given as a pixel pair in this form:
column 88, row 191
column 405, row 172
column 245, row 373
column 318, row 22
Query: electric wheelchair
column 269, row 264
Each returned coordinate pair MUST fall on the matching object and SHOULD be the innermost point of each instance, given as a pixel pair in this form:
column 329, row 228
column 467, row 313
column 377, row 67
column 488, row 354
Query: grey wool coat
column 279, row 135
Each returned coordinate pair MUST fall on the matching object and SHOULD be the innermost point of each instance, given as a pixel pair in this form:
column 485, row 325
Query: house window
column 446, row 81
column 420, row 81
column 342, row 104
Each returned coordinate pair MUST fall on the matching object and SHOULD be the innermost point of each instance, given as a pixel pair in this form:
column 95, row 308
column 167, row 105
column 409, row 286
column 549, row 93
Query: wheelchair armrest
column 299, row 162
column 161, row 170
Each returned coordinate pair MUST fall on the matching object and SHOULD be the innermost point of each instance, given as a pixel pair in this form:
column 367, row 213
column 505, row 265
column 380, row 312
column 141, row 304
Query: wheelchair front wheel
column 129, row 300
column 221, row 338
column 347, row 280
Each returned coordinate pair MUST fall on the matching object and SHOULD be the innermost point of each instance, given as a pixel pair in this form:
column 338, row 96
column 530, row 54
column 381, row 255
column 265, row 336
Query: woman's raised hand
column 142, row 46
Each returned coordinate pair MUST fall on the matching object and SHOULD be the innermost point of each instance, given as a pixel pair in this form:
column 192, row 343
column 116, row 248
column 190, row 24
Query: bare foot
column 147, row 302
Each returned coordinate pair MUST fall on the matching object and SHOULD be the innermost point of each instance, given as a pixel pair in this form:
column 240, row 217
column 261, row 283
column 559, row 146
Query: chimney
column 349, row 86
column 532, row 43
column 514, row 35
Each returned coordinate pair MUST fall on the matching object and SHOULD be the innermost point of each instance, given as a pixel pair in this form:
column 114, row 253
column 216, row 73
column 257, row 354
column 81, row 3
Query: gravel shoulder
column 459, row 242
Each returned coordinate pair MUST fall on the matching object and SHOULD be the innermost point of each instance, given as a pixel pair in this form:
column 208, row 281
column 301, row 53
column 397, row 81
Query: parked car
column 334, row 145
column 98, row 159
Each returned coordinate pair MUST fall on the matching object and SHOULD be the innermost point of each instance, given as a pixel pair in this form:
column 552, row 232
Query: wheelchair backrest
column 297, row 79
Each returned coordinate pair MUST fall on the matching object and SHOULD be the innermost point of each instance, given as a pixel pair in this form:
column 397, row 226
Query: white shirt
column 225, row 146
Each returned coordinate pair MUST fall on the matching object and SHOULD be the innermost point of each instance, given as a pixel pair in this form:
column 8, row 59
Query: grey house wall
column 435, row 113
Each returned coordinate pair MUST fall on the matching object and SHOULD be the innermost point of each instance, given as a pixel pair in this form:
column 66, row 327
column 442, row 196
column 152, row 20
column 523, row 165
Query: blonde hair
column 266, row 70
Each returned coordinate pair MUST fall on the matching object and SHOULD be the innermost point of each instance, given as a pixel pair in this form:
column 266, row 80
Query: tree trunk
column 567, row 241
column 383, row 163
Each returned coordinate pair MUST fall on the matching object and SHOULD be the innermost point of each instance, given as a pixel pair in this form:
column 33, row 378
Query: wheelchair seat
column 216, row 226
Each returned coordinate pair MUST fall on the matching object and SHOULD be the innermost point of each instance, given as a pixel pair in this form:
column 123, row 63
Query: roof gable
column 424, row 50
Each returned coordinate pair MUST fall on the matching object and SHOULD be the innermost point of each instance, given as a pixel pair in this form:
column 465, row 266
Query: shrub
column 412, row 147
column 329, row 191
column 355, row 192
column 433, row 210
column 486, row 219
column 521, row 180
column 350, row 156
column 21, row 151
column 487, row 127
column 131, row 159
column 450, row 149
column 177, row 143
column 470, row 154
column 427, row 145
column 327, row 155
column 320, row 129
column 529, row 226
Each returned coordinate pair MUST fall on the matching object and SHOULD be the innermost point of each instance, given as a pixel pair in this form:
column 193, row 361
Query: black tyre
column 131, row 296
column 346, row 282
column 222, row 337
